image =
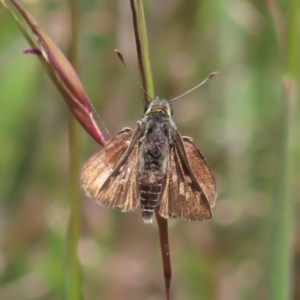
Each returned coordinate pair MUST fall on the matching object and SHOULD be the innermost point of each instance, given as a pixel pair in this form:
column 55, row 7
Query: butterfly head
column 159, row 107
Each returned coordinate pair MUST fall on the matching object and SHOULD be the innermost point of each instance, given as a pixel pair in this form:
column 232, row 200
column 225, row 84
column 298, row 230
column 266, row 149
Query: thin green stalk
column 293, row 40
column 279, row 285
column 141, row 41
column 73, row 285
column 282, row 218
column 145, row 48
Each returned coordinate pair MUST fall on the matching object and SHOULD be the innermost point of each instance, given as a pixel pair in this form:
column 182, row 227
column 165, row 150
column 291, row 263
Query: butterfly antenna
column 211, row 75
column 128, row 70
column 102, row 123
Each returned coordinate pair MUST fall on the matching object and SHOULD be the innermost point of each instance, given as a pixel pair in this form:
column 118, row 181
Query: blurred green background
column 244, row 121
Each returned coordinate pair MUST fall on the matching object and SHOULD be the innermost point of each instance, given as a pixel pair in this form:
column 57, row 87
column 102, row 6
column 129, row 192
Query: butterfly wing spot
column 181, row 188
column 187, row 196
column 103, row 176
column 188, row 179
column 198, row 195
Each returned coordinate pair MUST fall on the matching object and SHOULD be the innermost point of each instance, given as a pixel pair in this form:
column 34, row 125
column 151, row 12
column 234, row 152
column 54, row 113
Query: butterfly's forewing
column 108, row 175
column 120, row 190
column 183, row 197
column 114, row 182
column 100, row 166
column 201, row 170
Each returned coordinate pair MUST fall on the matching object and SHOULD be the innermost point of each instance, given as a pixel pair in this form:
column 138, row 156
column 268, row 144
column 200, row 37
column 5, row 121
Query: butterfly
column 152, row 166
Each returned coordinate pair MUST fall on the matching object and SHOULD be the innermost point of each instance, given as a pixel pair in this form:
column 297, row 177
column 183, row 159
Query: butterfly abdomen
column 150, row 186
column 154, row 150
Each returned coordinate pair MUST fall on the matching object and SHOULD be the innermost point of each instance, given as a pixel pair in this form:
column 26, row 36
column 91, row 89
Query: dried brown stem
column 165, row 253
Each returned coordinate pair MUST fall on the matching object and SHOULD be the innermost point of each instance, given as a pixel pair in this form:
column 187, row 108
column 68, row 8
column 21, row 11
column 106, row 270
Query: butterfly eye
column 171, row 111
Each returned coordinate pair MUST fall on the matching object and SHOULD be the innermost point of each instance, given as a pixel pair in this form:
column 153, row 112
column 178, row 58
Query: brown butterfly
column 152, row 166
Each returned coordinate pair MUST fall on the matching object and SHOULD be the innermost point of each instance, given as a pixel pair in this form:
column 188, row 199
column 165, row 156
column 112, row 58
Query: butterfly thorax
column 156, row 133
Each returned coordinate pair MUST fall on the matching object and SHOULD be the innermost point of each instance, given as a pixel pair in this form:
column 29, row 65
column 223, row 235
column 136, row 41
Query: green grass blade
column 145, row 48
column 73, row 276
column 282, row 217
